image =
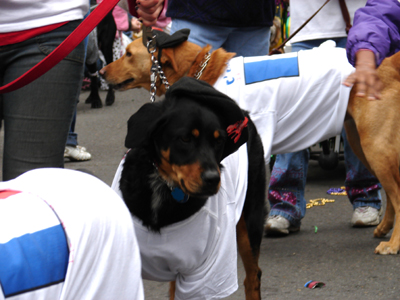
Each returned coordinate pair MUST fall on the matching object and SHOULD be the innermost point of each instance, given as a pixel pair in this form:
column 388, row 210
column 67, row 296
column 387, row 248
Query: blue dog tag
column 179, row 195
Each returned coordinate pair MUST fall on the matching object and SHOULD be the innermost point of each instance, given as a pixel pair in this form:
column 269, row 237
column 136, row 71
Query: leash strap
column 345, row 14
column 64, row 48
column 276, row 50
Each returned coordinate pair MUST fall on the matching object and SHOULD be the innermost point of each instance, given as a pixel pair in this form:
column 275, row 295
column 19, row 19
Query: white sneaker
column 365, row 216
column 77, row 153
column 278, row 225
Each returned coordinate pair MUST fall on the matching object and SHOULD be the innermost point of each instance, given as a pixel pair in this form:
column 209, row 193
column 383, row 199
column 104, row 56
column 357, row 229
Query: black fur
column 106, row 31
column 167, row 126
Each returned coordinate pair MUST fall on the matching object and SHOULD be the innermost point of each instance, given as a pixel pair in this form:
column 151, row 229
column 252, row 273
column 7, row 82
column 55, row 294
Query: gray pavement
column 340, row 256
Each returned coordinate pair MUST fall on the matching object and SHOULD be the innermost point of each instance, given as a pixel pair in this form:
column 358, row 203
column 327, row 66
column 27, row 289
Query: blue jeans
column 37, row 117
column 244, row 41
column 286, row 186
column 288, row 177
column 72, row 139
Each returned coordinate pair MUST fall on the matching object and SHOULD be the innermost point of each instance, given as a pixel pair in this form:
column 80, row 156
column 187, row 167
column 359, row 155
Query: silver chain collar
column 155, row 70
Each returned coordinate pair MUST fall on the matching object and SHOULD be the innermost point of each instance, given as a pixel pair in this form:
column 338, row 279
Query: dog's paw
column 110, row 97
column 94, row 100
column 382, row 230
column 379, row 233
column 386, row 248
column 97, row 104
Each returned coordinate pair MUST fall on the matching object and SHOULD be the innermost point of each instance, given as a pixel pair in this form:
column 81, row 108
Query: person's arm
column 147, row 11
column 374, row 36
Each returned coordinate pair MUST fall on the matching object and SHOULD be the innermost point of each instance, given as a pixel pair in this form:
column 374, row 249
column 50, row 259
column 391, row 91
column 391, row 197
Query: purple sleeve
column 376, row 28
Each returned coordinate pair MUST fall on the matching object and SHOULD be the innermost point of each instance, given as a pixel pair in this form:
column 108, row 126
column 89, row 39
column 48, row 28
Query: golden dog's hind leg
column 252, row 282
column 172, row 290
column 390, row 181
column 384, row 161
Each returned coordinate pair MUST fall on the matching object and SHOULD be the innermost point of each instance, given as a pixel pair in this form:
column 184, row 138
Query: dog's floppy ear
column 165, row 44
column 140, row 124
column 229, row 113
column 168, row 55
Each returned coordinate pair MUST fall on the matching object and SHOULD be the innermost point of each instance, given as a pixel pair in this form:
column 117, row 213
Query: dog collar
column 179, row 195
column 176, row 192
column 202, row 66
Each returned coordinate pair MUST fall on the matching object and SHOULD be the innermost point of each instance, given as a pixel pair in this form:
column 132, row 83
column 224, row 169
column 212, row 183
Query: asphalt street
column 327, row 248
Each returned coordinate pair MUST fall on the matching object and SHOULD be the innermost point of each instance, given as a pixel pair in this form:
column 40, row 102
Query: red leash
column 64, row 48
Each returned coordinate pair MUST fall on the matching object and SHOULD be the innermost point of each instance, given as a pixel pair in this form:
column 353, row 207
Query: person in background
column 73, row 151
column 37, row 117
column 234, row 25
column 288, row 178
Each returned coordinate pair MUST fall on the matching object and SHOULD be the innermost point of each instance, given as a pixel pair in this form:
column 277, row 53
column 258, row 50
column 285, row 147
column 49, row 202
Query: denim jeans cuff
column 375, row 204
column 293, row 221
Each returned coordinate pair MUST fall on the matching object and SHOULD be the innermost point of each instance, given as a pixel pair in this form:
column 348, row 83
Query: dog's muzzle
column 121, row 85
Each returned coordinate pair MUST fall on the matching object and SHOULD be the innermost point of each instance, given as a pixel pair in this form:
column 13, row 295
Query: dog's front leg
column 393, row 245
column 252, row 282
column 172, row 290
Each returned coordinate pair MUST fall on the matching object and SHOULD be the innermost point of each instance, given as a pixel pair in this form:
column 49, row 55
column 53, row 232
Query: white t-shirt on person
column 18, row 15
column 327, row 23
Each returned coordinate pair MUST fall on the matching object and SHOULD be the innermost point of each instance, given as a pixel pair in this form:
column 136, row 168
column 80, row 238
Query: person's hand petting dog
column 149, row 10
column 365, row 76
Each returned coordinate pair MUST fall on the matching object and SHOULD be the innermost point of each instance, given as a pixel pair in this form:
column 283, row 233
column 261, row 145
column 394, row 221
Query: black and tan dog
column 195, row 171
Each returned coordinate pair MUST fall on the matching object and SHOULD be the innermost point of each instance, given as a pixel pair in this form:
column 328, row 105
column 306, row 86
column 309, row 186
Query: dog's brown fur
column 372, row 126
column 373, row 133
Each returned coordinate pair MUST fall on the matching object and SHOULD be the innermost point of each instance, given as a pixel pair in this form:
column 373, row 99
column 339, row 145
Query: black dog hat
column 229, row 113
column 164, row 40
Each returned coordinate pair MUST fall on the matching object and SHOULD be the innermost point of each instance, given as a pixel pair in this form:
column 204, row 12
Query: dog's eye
column 128, row 54
column 185, row 139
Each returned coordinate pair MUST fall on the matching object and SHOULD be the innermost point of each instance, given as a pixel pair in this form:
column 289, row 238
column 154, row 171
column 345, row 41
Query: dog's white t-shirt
column 199, row 252
column 66, row 235
column 295, row 100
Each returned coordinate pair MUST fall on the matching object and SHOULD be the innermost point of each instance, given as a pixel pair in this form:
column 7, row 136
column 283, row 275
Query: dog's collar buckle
column 202, row 66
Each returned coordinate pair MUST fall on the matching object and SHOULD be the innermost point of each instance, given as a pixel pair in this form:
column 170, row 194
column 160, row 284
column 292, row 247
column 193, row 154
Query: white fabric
column 328, row 23
column 199, row 252
column 103, row 260
column 292, row 113
column 17, row 15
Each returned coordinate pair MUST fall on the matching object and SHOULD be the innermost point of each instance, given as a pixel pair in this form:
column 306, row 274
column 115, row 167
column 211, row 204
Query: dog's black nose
column 210, row 177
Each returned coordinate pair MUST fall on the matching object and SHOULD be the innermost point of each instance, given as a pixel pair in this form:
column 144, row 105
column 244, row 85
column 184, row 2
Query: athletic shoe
column 364, row 216
column 77, row 153
column 278, row 225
